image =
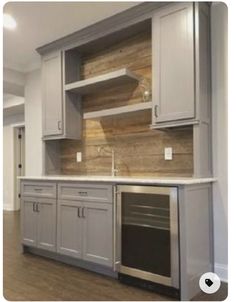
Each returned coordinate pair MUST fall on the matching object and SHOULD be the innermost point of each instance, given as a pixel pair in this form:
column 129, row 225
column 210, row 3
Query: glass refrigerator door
column 145, row 232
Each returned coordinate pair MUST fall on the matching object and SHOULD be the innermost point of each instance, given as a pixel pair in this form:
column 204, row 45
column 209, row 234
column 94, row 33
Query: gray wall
column 219, row 110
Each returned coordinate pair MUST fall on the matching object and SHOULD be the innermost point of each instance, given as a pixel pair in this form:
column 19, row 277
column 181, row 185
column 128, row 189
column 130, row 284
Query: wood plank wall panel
column 135, row 54
column 139, row 151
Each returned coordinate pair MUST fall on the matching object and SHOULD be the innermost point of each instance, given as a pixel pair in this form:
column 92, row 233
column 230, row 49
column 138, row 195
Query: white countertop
column 124, row 180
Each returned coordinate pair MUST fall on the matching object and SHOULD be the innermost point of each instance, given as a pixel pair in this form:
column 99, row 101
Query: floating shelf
column 118, row 111
column 96, row 83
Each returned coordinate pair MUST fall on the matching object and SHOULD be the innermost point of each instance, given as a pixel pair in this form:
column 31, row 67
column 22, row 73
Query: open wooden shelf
column 118, row 111
column 102, row 81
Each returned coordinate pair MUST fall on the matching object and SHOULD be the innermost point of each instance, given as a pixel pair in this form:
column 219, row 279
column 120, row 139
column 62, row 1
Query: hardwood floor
column 29, row 277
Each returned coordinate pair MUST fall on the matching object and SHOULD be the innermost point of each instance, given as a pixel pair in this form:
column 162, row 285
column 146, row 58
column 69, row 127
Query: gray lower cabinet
column 69, row 228
column 38, row 222
column 97, row 233
column 28, row 221
column 46, row 233
column 84, row 230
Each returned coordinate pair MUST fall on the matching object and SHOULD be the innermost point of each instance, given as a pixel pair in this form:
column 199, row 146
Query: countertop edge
column 123, row 180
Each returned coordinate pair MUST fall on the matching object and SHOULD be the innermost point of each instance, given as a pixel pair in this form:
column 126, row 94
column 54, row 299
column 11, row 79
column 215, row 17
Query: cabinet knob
column 83, row 215
column 78, row 212
column 83, row 193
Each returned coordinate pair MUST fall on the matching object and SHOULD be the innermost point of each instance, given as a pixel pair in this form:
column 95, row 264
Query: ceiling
column 39, row 23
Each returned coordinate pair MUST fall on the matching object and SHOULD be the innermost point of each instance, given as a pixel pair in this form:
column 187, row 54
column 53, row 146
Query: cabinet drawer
column 40, row 189
column 92, row 192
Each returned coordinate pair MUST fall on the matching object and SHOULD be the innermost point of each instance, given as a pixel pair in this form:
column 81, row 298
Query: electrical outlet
column 168, row 153
column 78, row 157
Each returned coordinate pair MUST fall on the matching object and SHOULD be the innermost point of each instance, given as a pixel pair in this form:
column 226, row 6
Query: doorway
column 19, row 162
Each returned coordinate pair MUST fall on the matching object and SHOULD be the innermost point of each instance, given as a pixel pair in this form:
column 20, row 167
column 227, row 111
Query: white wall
column 33, row 135
column 219, row 111
column 12, row 101
column 8, row 160
column 33, row 124
column 13, row 82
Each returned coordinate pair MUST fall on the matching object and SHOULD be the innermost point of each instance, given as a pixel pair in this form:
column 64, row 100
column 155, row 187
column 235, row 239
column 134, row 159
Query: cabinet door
column 97, row 233
column 52, row 94
column 173, row 63
column 69, row 228
column 46, row 233
column 29, row 221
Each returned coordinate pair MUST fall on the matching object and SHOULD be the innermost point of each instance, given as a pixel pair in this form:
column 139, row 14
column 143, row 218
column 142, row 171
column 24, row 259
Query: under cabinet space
column 72, row 62
column 52, row 157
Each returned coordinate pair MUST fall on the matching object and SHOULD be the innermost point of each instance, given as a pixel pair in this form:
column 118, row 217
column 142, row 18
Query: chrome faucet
column 113, row 169
column 112, row 152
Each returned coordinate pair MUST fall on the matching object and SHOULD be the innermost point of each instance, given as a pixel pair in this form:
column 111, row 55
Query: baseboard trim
column 222, row 271
column 97, row 268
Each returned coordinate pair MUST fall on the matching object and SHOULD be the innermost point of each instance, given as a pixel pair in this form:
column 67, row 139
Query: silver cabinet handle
column 155, row 110
column 83, row 214
column 38, row 189
column 83, row 193
column 78, row 212
column 59, row 125
column 34, row 210
column 37, row 207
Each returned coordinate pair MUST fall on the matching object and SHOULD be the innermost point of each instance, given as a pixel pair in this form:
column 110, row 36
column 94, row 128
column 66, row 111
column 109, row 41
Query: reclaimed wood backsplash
column 139, row 151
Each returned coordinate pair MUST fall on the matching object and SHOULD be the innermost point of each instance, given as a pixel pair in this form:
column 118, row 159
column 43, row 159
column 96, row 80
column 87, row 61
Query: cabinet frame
column 81, row 208
column 37, row 216
column 159, row 114
column 68, row 102
column 56, row 94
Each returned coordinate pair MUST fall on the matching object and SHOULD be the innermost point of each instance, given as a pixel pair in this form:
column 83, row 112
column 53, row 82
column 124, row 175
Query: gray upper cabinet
column 62, row 117
column 177, row 52
column 173, row 63
column 97, row 233
column 52, row 94
column 28, row 221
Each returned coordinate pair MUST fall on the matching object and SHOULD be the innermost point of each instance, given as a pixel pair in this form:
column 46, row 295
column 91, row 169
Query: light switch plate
column 168, row 153
column 79, row 157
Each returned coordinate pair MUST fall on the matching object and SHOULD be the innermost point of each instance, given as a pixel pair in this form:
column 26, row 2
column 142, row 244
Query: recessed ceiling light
column 9, row 22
